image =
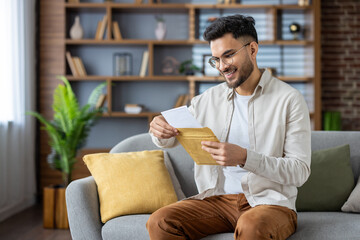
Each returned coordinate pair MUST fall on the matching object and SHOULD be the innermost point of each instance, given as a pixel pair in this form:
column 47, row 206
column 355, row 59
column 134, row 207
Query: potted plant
column 188, row 68
column 67, row 132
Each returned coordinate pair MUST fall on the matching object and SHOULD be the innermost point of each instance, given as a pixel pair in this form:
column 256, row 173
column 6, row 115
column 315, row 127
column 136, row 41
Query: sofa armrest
column 82, row 203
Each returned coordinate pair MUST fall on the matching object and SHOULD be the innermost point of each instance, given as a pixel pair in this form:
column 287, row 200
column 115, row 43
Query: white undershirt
column 238, row 135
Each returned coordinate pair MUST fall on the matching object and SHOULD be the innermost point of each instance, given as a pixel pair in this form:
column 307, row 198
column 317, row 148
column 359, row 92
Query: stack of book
column 76, row 65
column 182, row 100
column 101, row 101
column 100, row 30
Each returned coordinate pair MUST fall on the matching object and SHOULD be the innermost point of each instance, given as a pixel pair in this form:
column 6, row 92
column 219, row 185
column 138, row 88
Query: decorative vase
column 76, row 31
column 160, row 31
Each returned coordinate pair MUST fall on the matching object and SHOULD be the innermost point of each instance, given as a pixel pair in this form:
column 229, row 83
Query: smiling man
column 264, row 151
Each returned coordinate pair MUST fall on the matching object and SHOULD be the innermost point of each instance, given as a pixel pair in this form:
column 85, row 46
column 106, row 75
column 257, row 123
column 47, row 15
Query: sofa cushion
column 327, row 226
column 126, row 227
column 353, row 202
column 330, row 183
column 131, row 183
column 311, row 225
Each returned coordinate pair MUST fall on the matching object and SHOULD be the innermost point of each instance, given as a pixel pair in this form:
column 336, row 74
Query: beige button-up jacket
column 279, row 156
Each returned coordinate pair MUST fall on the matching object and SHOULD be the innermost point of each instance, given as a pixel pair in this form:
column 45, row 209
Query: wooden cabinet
column 294, row 61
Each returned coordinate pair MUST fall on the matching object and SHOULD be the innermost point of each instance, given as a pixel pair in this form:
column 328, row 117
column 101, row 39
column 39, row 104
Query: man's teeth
column 227, row 74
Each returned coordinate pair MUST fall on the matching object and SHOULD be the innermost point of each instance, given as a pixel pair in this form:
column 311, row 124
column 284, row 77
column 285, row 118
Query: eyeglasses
column 226, row 58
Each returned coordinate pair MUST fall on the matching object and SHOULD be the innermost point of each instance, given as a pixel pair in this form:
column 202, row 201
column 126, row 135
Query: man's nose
column 222, row 66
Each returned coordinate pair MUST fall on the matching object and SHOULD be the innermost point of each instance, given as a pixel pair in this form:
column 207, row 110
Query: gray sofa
column 83, row 204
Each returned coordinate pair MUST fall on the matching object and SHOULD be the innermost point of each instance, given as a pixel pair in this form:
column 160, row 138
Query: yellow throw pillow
column 130, row 183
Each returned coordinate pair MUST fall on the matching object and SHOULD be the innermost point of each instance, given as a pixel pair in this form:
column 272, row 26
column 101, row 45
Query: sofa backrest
column 184, row 165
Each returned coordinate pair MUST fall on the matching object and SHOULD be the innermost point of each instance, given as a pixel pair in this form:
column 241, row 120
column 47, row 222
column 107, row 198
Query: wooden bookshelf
column 54, row 25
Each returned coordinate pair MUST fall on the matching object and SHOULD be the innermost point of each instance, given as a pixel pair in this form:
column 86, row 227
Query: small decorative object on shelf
column 76, row 31
column 303, row 2
column 207, row 70
column 170, row 66
column 295, row 30
column 122, row 64
column 133, row 108
column 160, row 30
column 188, row 68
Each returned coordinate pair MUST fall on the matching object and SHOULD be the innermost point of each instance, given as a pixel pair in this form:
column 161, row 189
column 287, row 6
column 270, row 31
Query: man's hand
column 225, row 154
column 161, row 129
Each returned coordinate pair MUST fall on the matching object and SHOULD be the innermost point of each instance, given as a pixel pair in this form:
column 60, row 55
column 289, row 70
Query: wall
column 340, row 23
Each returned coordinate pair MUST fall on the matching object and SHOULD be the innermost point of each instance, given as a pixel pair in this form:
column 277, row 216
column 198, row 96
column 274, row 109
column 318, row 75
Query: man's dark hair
column 238, row 25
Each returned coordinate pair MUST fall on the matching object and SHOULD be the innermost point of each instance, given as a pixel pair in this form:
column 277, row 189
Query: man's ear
column 254, row 47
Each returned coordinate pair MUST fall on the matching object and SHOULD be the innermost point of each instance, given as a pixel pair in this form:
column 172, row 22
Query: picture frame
column 207, row 70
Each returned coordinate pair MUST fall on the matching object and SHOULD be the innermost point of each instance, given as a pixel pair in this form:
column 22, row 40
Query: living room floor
column 27, row 225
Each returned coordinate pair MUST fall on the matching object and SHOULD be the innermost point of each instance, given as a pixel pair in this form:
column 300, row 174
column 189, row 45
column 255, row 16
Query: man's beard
column 244, row 73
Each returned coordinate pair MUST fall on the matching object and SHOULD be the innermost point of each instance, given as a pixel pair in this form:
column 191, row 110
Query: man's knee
column 266, row 222
column 162, row 220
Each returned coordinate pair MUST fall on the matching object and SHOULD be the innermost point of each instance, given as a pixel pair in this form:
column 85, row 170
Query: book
column 116, row 31
column 101, row 101
column 71, row 63
column 98, row 30
column 179, row 101
column 83, row 70
column 79, row 66
column 102, row 25
column 185, row 100
column 182, row 100
column 144, row 63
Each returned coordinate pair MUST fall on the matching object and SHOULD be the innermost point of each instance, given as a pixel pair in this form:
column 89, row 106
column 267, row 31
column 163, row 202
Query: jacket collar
column 264, row 79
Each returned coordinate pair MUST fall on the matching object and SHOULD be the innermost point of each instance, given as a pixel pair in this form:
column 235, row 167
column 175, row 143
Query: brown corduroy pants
column 195, row 219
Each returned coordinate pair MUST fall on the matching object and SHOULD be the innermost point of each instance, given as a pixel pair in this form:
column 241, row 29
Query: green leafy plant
column 159, row 18
column 70, row 126
column 188, row 68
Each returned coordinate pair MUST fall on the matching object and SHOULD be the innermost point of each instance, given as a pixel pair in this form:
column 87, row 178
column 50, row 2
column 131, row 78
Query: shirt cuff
column 253, row 160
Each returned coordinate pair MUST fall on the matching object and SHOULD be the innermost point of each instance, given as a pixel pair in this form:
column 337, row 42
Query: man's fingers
column 160, row 121
column 211, row 144
column 161, row 129
column 162, row 134
column 212, row 151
